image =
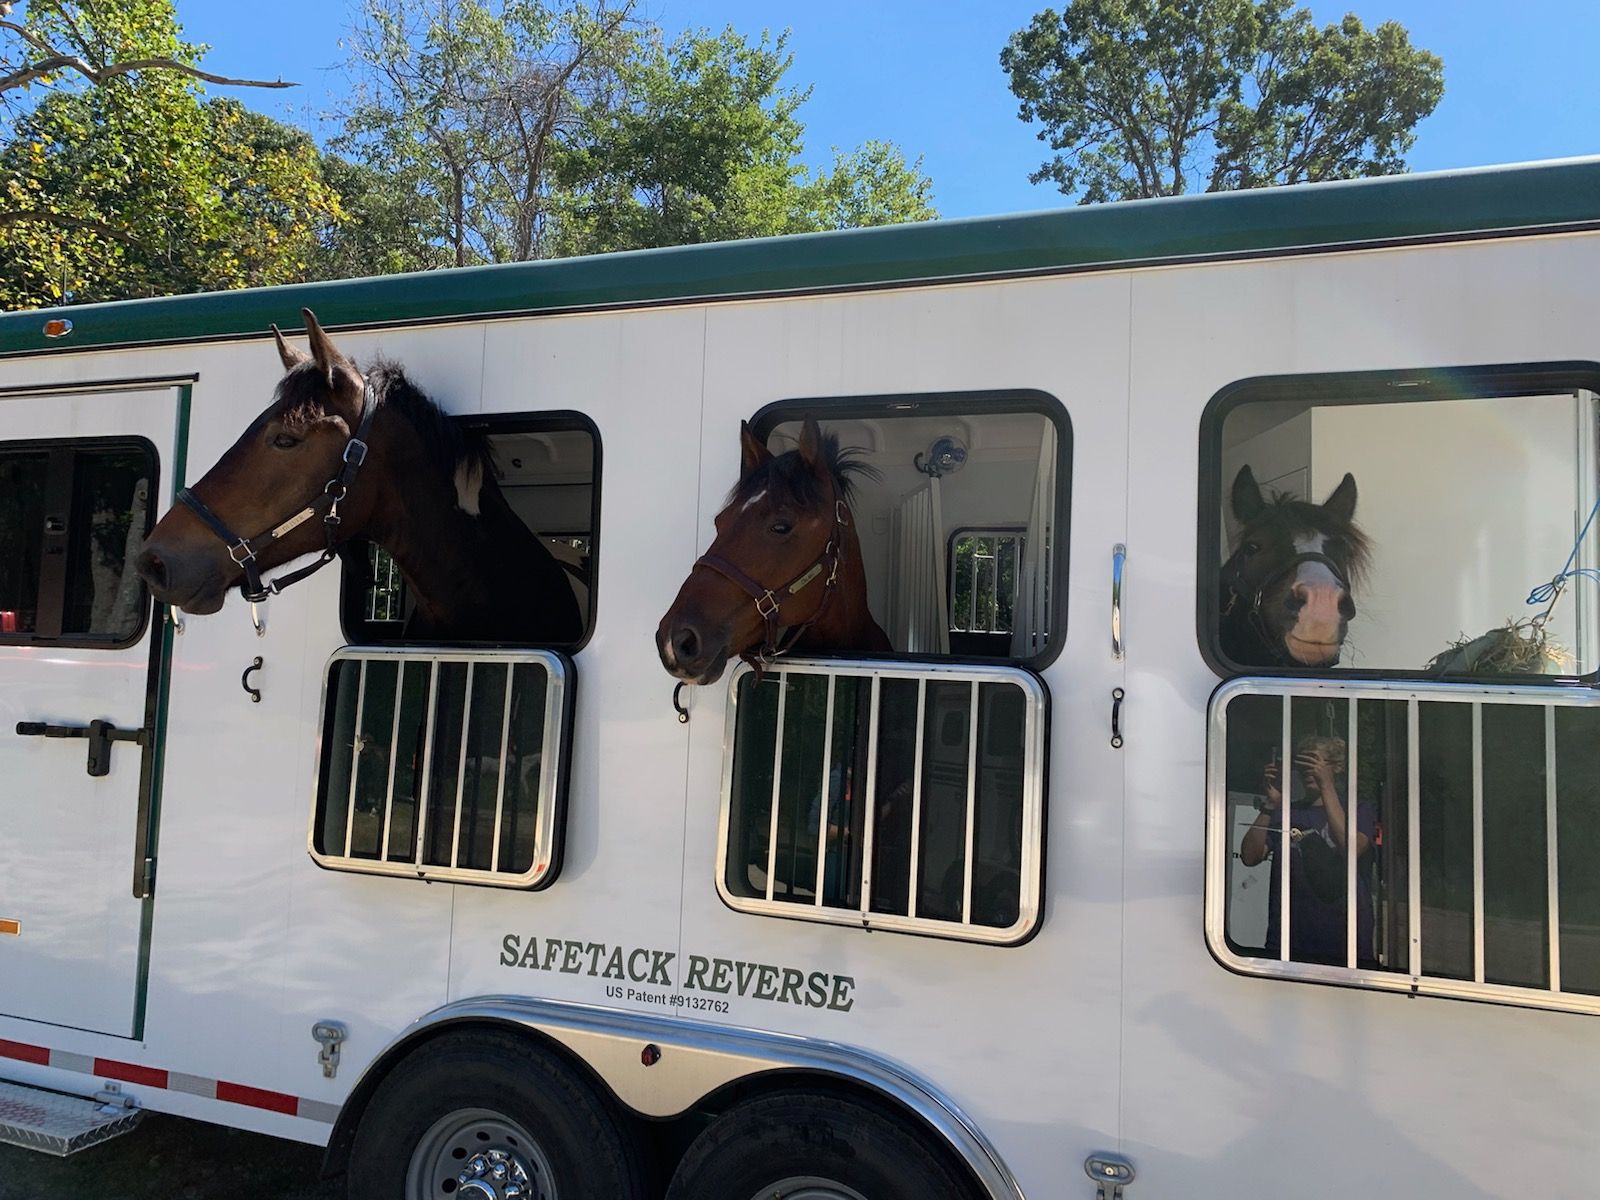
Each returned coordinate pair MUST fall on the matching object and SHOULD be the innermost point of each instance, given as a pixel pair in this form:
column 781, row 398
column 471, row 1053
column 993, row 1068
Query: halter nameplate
column 806, row 578
column 304, row 515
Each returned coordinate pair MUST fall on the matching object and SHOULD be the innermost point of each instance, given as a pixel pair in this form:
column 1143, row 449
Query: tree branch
column 65, row 220
column 56, row 61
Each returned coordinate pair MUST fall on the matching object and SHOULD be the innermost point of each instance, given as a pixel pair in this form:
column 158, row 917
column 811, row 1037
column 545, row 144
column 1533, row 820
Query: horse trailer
column 1219, row 824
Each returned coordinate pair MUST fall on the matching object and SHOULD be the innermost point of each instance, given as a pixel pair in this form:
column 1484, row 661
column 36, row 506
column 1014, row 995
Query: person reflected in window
column 1319, row 833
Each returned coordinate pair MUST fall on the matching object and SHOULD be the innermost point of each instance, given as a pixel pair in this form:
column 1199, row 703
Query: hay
column 1516, row 648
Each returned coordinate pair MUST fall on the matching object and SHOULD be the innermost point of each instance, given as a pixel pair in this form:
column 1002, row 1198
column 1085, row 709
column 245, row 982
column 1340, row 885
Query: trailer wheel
column 809, row 1146
column 488, row 1116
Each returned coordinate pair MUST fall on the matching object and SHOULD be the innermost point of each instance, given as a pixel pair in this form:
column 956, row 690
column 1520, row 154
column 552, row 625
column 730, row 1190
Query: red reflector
column 23, row 1052
column 237, row 1093
column 8, row 621
column 130, row 1072
column 58, row 327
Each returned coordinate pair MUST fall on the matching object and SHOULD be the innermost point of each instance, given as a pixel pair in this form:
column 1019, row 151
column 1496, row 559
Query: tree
column 1161, row 97
column 466, row 100
column 703, row 142
column 56, row 42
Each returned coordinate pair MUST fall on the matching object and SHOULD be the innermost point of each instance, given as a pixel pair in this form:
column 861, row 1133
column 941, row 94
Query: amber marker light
column 57, row 327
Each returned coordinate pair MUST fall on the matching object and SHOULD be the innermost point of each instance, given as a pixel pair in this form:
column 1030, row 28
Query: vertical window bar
column 1284, row 777
column 777, row 784
column 1414, row 836
column 827, row 793
column 500, row 787
column 871, row 794
column 916, row 799
column 994, row 585
column 972, row 806
column 1352, row 837
column 394, row 743
column 975, row 561
column 1477, row 841
column 355, row 757
column 461, row 768
column 427, row 760
column 1551, row 876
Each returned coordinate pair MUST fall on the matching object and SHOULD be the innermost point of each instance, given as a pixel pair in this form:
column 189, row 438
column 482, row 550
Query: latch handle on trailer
column 1111, row 1174
column 100, row 734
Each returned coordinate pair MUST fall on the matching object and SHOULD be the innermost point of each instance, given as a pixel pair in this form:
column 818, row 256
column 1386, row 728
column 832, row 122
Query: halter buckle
column 355, row 452
column 771, row 601
column 238, row 559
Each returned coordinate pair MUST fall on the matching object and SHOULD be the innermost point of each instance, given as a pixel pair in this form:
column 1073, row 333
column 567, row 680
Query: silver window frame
column 1034, row 795
column 552, row 768
column 1219, row 844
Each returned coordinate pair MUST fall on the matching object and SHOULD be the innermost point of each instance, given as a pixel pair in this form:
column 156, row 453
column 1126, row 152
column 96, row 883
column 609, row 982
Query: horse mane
column 787, row 479
column 1287, row 512
column 304, row 393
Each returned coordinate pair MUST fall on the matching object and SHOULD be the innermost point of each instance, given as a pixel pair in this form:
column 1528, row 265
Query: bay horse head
column 338, row 455
column 784, row 571
column 1286, row 589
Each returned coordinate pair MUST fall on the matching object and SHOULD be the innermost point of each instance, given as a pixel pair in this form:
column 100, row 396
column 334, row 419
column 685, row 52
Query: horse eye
column 285, row 441
column 781, row 527
column 1251, row 548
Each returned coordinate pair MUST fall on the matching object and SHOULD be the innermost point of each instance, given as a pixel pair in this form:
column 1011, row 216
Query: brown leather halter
column 769, row 602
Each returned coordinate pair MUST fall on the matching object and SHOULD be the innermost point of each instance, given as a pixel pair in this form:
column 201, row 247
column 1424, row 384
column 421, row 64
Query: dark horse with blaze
column 341, row 454
column 784, row 571
column 1286, row 590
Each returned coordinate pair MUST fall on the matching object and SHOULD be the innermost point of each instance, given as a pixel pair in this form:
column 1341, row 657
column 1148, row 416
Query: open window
column 547, row 465
column 444, row 765
column 73, row 517
column 1431, row 839
column 968, row 506
column 887, row 797
column 1472, row 489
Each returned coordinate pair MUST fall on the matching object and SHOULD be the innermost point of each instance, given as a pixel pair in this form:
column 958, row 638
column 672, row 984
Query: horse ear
column 811, row 444
column 1247, row 501
column 1341, row 503
column 752, row 450
column 291, row 357
column 341, row 373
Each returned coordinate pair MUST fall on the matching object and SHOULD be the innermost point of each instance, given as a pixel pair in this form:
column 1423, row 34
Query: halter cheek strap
column 246, row 551
column 769, row 601
column 1238, row 590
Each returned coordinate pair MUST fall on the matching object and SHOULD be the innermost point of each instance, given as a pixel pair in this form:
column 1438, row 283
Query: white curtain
column 919, row 610
column 1031, row 620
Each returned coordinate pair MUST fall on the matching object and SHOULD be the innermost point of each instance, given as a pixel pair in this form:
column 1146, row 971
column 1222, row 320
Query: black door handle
column 100, row 734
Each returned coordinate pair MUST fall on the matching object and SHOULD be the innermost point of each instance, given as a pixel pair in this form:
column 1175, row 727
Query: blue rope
column 1546, row 593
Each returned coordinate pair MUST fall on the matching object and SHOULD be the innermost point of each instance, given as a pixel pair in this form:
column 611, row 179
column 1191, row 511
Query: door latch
column 100, row 734
column 1111, row 1174
column 329, row 1035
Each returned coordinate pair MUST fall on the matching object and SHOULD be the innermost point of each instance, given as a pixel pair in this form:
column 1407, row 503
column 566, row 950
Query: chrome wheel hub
column 807, row 1187
column 478, row 1154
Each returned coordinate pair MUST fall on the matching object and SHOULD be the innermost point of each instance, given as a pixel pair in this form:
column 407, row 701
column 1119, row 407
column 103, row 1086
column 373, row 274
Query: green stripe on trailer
column 1540, row 197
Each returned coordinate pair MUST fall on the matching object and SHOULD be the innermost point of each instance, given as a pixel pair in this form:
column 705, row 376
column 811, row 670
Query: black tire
column 812, row 1141
column 578, row 1137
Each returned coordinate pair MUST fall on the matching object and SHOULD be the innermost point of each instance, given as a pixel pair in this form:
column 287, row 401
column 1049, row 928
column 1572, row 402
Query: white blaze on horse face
column 1318, row 624
column 754, row 500
column 469, row 485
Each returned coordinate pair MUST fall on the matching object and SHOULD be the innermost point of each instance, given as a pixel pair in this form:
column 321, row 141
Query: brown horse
column 1286, row 590
column 338, row 455
column 784, row 572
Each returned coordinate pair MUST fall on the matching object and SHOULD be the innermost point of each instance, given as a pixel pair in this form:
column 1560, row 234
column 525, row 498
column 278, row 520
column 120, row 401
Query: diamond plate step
column 53, row 1123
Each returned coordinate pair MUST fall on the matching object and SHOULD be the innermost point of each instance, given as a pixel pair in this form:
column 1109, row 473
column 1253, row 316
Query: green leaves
column 1159, row 97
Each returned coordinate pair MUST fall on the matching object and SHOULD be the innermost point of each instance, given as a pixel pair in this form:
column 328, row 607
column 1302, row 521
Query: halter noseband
column 1238, row 591
column 244, row 551
column 769, row 602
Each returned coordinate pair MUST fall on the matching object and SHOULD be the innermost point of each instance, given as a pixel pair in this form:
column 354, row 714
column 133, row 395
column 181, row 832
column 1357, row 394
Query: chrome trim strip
column 862, row 915
column 1477, row 841
column 915, row 837
column 1414, row 836
column 777, row 782
column 461, row 769
column 827, row 795
column 698, row 1058
column 1552, row 873
column 549, row 767
column 972, row 805
column 1218, row 847
column 500, row 784
column 355, row 757
column 1285, row 786
column 1352, row 833
column 394, row 759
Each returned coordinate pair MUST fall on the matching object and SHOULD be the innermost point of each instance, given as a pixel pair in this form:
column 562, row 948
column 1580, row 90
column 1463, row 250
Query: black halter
column 244, row 551
column 769, row 601
column 1233, row 579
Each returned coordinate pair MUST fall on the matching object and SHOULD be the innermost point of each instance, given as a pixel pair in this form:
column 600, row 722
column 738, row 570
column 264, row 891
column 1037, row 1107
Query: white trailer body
column 1121, row 1020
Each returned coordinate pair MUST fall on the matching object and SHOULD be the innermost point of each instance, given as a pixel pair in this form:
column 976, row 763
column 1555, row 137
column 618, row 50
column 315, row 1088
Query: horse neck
column 846, row 623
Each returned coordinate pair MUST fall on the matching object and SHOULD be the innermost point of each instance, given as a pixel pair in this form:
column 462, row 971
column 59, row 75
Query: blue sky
column 926, row 74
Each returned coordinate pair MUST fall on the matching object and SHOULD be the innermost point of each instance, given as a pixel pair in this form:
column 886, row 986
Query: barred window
column 890, row 796
column 444, row 765
column 1431, row 837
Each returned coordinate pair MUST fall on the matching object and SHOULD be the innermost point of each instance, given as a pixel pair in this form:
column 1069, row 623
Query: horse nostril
column 1347, row 607
column 686, row 644
column 151, row 569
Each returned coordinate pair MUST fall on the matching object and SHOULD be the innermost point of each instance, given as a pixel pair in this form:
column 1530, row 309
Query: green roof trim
column 1509, row 200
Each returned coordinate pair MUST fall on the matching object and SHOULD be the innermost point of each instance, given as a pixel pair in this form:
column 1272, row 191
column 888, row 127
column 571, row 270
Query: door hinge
column 1110, row 1172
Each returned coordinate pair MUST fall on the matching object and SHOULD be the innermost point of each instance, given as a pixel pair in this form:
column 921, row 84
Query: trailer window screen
column 891, row 797
column 445, row 766
column 73, row 517
column 1435, row 838
column 1395, row 524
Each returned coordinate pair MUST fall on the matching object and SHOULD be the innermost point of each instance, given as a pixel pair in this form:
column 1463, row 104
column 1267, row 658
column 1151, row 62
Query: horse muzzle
column 689, row 653
column 191, row 582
